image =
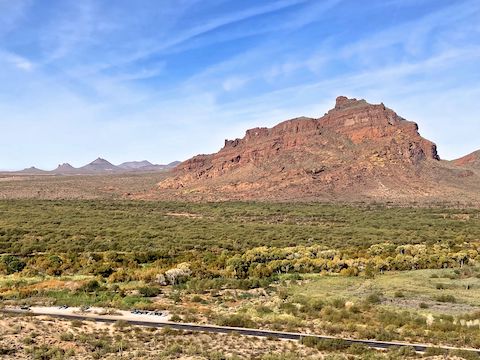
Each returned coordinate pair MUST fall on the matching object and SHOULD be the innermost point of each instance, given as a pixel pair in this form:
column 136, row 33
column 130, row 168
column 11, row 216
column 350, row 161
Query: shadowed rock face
column 356, row 148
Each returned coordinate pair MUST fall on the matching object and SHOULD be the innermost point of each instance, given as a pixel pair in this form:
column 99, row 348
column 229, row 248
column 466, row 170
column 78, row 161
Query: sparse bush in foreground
column 446, row 298
column 236, row 320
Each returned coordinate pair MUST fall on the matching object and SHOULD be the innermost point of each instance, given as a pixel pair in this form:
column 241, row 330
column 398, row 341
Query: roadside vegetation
column 52, row 339
column 362, row 271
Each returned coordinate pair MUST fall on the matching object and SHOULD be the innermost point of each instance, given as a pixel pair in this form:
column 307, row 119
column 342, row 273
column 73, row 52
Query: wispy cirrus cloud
column 166, row 81
column 17, row 61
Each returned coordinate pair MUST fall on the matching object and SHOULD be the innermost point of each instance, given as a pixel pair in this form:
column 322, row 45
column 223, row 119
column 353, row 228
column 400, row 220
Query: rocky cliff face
column 355, row 148
column 365, row 123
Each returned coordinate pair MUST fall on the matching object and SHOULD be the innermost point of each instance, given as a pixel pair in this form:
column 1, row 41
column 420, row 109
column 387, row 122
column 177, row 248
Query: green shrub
column 338, row 303
column 262, row 309
column 433, row 351
column 403, row 352
column 197, row 299
column 28, row 340
column 288, row 308
column 121, row 324
column 359, row 349
column 45, row 352
column 373, row 298
column 150, row 291
column 12, row 264
column 173, row 349
column 446, row 298
column 236, row 320
column 465, row 354
column 325, row 344
column 77, row 323
column 90, row 286
column 176, row 297
column 66, row 336
column 175, row 318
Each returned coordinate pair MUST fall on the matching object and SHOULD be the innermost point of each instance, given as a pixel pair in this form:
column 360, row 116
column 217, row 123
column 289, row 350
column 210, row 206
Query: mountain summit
column 355, row 151
column 64, row 168
column 100, row 165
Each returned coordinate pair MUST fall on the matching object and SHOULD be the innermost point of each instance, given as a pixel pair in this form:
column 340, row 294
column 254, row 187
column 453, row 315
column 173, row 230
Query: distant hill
column 33, row 170
column 470, row 160
column 99, row 166
column 65, row 168
column 146, row 166
column 132, row 165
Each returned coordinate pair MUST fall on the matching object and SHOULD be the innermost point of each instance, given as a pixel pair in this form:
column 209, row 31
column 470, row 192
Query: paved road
column 227, row 330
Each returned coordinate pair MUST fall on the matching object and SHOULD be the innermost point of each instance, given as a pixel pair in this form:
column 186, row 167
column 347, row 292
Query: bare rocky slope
column 470, row 160
column 357, row 151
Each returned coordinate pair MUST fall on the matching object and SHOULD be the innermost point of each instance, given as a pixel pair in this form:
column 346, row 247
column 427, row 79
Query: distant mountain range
column 357, row 151
column 100, row 166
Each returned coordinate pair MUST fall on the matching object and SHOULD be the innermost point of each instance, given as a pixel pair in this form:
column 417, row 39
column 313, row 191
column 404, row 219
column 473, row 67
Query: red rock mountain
column 470, row 160
column 355, row 151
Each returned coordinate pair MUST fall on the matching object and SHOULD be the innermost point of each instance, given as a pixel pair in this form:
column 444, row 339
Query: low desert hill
column 470, row 160
column 98, row 166
column 356, row 151
column 65, row 168
column 146, row 165
column 135, row 164
column 32, row 171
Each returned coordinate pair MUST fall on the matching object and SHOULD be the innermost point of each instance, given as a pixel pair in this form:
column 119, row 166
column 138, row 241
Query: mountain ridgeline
column 101, row 166
column 356, row 151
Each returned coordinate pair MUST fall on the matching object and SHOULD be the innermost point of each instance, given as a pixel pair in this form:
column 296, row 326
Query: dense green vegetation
column 171, row 242
column 369, row 271
column 29, row 226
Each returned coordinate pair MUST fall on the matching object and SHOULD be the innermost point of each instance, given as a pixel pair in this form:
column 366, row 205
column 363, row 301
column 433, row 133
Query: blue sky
column 167, row 79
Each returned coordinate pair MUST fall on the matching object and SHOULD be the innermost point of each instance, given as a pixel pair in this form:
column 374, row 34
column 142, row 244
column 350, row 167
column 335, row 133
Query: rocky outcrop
column 362, row 122
column 356, row 145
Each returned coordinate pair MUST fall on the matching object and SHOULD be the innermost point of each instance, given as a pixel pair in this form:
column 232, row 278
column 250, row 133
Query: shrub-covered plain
column 365, row 271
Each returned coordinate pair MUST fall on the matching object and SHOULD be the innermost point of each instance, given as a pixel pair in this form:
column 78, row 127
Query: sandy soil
column 92, row 312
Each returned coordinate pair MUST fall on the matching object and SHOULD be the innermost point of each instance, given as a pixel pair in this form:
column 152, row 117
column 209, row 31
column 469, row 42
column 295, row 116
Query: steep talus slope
column 356, row 151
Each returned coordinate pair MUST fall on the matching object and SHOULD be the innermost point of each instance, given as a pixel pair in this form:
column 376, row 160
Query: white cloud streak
column 74, row 106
